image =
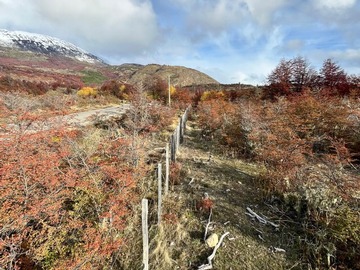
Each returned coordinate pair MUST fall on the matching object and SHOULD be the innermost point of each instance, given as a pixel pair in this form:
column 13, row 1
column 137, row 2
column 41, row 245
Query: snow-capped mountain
column 44, row 44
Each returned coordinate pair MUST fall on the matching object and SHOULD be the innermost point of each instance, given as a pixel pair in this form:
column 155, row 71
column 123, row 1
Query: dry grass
column 231, row 185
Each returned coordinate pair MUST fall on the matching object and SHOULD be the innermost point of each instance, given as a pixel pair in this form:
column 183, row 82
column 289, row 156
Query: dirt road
column 74, row 120
column 91, row 116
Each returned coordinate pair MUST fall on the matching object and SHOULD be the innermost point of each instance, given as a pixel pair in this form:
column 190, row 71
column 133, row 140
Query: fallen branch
column 260, row 219
column 276, row 250
column 211, row 257
column 208, row 224
column 191, row 181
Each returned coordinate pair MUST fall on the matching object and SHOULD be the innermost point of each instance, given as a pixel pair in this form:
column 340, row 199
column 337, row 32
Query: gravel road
column 79, row 119
column 89, row 117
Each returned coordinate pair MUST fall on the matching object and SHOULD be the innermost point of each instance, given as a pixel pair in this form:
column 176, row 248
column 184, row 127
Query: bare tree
column 301, row 74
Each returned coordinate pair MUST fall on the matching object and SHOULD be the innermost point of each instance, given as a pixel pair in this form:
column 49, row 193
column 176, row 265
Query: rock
column 212, row 240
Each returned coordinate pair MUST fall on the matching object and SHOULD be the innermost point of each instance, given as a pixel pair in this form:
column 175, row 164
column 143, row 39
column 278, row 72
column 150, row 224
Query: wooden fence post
column 186, row 117
column 175, row 141
column 145, row 233
column 167, row 168
column 159, row 193
column 177, row 137
column 173, row 147
column 181, row 125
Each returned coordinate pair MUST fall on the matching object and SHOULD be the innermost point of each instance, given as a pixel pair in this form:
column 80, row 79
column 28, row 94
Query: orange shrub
column 205, row 205
column 182, row 98
column 176, row 173
column 63, row 204
column 214, row 114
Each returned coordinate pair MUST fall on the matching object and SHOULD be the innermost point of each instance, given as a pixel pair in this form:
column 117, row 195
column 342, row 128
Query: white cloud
column 223, row 23
column 220, row 15
column 17, row 14
column 263, row 11
column 349, row 59
column 103, row 27
column 335, row 4
column 213, row 17
column 123, row 26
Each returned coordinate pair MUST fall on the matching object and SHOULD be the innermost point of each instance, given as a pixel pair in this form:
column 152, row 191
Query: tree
column 354, row 81
column 334, row 78
column 290, row 76
column 157, row 88
column 279, row 79
column 302, row 74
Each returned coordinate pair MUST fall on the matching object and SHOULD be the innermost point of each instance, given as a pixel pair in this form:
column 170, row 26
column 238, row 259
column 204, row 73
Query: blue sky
column 231, row 40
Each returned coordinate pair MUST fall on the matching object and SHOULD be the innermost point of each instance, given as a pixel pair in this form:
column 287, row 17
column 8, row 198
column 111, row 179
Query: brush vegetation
column 70, row 198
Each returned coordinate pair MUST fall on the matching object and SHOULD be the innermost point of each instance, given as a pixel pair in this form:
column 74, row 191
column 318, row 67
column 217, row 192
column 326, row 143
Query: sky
column 233, row 41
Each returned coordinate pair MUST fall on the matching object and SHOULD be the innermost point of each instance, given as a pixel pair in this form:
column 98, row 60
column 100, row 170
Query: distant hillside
column 30, row 60
column 180, row 76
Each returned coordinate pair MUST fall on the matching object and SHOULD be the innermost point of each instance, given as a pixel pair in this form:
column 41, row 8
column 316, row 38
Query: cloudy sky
column 231, row 40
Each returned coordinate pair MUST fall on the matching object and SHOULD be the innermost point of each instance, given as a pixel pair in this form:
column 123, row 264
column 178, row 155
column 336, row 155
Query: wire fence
column 171, row 149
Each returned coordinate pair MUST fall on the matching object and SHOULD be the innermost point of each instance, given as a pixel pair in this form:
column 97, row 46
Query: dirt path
column 88, row 117
column 73, row 120
column 230, row 185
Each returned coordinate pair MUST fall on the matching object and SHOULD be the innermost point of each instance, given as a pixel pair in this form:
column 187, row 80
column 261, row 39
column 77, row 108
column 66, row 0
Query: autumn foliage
column 87, row 91
column 118, row 89
column 294, row 76
column 64, row 196
column 306, row 144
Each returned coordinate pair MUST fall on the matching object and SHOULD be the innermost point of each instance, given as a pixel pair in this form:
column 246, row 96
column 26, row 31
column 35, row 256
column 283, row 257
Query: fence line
column 171, row 150
column 178, row 136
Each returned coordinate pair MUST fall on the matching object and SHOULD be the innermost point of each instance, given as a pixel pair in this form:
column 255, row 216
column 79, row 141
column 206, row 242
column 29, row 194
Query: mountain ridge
column 179, row 75
column 39, row 58
column 44, row 44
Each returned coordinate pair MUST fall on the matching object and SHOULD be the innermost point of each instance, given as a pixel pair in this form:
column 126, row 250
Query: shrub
column 64, row 199
column 158, row 89
column 302, row 143
column 313, row 117
column 214, row 114
column 176, row 173
column 205, row 205
column 122, row 91
column 330, row 221
column 306, row 144
column 223, row 121
column 209, row 95
column 182, row 98
column 160, row 116
column 87, row 92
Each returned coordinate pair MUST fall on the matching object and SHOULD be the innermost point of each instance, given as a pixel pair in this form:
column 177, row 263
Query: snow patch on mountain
column 44, row 44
